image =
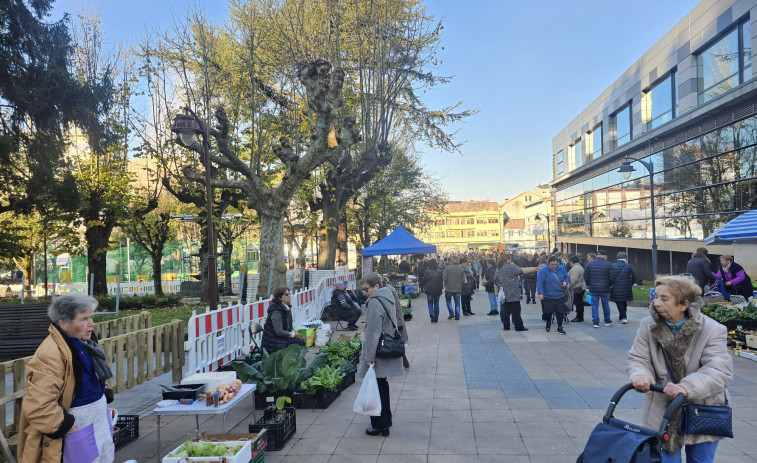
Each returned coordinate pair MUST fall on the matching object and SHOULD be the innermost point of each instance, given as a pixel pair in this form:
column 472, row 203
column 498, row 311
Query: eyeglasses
column 364, row 288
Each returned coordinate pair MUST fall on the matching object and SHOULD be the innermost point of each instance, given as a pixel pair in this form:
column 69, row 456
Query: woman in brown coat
column 694, row 346
column 64, row 409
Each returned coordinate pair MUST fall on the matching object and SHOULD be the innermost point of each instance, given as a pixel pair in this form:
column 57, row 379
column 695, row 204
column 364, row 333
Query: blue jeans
column 493, row 302
column 448, row 298
column 595, row 297
column 697, row 453
column 433, row 306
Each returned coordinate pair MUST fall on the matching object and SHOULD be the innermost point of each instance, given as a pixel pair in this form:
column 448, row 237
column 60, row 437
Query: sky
column 529, row 67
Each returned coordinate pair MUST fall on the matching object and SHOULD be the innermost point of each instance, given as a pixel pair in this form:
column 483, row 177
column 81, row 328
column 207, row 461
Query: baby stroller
column 618, row 441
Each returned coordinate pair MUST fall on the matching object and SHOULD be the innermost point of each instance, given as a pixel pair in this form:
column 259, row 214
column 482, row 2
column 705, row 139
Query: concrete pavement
column 473, row 393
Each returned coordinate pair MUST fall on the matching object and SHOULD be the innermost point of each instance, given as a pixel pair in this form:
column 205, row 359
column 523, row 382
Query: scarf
column 102, row 369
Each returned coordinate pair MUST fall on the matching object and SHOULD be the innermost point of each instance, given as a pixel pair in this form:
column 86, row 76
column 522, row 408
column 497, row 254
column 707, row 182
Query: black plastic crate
column 261, row 400
column 347, row 381
column 744, row 324
column 277, row 434
column 321, row 399
column 189, row 391
column 128, row 430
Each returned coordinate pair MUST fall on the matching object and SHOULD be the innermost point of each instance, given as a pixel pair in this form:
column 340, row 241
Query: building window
column 594, row 144
column 470, row 233
column 621, row 124
column 493, row 233
column 660, row 102
column 480, row 220
column 493, row 220
column 575, row 155
column 450, row 233
column 469, row 221
column 725, row 64
column 560, row 163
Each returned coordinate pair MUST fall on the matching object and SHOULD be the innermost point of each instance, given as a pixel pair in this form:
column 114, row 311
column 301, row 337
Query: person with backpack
column 622, row 278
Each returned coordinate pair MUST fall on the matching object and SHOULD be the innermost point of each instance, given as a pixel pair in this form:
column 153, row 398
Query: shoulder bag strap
column 387, row 312
column 558, row 279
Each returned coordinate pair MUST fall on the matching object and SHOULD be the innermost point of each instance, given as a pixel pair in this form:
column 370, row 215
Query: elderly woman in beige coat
column 380, row 317
column 695, row 348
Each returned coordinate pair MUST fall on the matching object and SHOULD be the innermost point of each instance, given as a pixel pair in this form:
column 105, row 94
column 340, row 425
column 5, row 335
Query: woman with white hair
column 64, row 415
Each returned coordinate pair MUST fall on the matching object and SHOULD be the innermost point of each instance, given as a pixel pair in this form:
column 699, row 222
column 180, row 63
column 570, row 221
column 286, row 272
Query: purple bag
column 80, row 446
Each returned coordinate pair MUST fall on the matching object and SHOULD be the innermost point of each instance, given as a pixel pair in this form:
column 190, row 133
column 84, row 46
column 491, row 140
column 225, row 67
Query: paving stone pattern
column 474, row 393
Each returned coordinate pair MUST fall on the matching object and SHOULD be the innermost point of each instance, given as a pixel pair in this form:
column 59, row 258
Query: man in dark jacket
column 597, row 277
column 347, row 309
column 699, row 267
column 454, row 277
column 622, row 278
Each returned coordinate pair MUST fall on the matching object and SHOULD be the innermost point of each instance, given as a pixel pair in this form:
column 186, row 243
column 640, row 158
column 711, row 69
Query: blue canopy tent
column 400, row 241
column 742, row 229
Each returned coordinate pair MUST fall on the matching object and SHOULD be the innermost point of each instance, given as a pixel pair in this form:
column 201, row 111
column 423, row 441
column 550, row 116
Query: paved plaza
column 473, row 393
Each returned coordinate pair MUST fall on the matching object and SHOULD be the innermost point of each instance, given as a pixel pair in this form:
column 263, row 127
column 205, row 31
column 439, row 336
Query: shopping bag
column 587, row 298
column 501, row 296
column 368, row 401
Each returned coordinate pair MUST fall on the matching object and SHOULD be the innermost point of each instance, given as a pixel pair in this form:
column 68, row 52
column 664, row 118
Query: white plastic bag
column 501, row 296
column 368, row 401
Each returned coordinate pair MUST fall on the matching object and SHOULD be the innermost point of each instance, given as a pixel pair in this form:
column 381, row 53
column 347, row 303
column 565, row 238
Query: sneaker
column 623, row 321
column 596, row 325
column 450, row 317
column 493, row 312
column 577, row 320
column 471, row 313
column 522, row 329
column 506, row 328
column 608, row 323
column 561, row 331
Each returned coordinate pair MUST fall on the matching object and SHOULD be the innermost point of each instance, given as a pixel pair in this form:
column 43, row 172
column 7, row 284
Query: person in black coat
column 278, row 331
column 622, row 278
column 597, row 278
column 700, row 267
column 433, row 283
column 347, row 309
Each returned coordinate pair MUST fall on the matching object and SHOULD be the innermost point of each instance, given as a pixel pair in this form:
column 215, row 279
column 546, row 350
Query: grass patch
column 160, row 316
column 641, row 292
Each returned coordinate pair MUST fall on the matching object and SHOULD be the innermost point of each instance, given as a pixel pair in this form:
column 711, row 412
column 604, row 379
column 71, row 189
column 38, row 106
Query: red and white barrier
column 216, row 338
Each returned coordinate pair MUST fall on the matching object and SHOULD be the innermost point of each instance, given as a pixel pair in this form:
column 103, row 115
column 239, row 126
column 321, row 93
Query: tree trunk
column 341, row 240
column 227, row 249
column 204, row 267
column 272, row 266
column 290, row 261
column 25, row 264
column 157, row 259
column 98, row 238
column 327, row 235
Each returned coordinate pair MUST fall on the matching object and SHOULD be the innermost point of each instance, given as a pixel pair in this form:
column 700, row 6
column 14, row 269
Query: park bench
column 22, row 329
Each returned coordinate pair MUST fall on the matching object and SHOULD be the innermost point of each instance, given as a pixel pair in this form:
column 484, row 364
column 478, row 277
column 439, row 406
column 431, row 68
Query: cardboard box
column 713, row 299
column 243, row 456
column 211, row 380
column 309, row 334
column 347, row 337
column 751, row 341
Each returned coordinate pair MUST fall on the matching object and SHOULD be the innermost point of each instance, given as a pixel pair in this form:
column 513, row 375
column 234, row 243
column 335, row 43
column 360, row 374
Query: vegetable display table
column 199, row 408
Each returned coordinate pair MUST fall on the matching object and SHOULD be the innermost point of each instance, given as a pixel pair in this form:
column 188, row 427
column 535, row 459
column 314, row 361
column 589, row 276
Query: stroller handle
column 671, row 410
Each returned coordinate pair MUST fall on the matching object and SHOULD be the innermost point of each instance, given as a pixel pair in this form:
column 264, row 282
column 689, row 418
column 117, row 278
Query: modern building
column 526, row 225
column 688, row 106
column 466, row 225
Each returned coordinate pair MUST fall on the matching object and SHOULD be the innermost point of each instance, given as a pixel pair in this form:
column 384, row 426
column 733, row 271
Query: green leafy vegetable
column 339, row 351
column 205, row 449
column 276, row 372
column 324, row 378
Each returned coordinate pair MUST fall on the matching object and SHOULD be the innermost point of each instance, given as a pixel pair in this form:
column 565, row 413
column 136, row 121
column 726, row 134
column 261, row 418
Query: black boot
column 549, row 325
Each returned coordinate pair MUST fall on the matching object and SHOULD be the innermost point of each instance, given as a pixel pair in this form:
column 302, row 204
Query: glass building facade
column 700, row 184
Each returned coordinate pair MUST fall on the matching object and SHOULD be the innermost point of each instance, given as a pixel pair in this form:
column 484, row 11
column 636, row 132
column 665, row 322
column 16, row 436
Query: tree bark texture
column 341, row 240
column 272, row 265
column 157, row 259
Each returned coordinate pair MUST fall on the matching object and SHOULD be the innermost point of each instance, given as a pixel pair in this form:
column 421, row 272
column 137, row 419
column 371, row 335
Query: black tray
column 321, row 399
column 192, row 391
column 277, row 434
column 261, row 400
column 347, row 381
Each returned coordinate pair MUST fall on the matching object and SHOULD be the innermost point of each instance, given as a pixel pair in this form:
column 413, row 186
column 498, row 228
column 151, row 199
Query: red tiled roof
column 516, row 223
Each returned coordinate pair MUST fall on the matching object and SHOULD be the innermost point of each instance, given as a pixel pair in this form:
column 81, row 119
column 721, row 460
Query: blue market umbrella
column 742, row 229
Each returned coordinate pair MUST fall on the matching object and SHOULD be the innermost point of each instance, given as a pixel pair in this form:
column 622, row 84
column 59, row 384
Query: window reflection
column 621, row 123
column 725, row 64
column 660, row 102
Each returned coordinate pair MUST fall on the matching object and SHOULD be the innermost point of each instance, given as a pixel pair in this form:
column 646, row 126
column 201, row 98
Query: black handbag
column 390, row 346
column 707, row 420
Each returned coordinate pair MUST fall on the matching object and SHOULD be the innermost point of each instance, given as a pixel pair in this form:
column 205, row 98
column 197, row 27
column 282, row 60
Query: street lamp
column 626, row 167
column 537, row 219
column 188, row 126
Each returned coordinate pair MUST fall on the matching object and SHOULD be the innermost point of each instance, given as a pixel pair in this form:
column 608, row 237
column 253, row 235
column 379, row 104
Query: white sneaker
column 623, row 321
column 608, row 324
column 596, row 326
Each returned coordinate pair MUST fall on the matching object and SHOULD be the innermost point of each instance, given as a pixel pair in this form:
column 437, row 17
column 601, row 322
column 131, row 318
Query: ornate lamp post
column 188, row 126
column 626, row 167
column 537, row 219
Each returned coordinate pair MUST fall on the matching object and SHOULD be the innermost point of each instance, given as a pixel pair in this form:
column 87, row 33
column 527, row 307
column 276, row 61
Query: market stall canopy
column 400, row 241
column 742, row 229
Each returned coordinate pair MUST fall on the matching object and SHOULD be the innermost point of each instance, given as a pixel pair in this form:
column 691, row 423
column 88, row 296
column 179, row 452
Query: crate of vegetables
column 227, row 451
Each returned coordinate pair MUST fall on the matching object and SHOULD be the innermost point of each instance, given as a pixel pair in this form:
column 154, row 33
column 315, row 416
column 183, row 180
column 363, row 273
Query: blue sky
column 528, row 66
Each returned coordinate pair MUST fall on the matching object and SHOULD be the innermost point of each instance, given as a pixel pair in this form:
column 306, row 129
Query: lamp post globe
column 187, row 128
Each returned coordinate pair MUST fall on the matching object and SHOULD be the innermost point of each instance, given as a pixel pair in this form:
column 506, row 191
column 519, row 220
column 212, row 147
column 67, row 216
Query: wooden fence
column 135, row 357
